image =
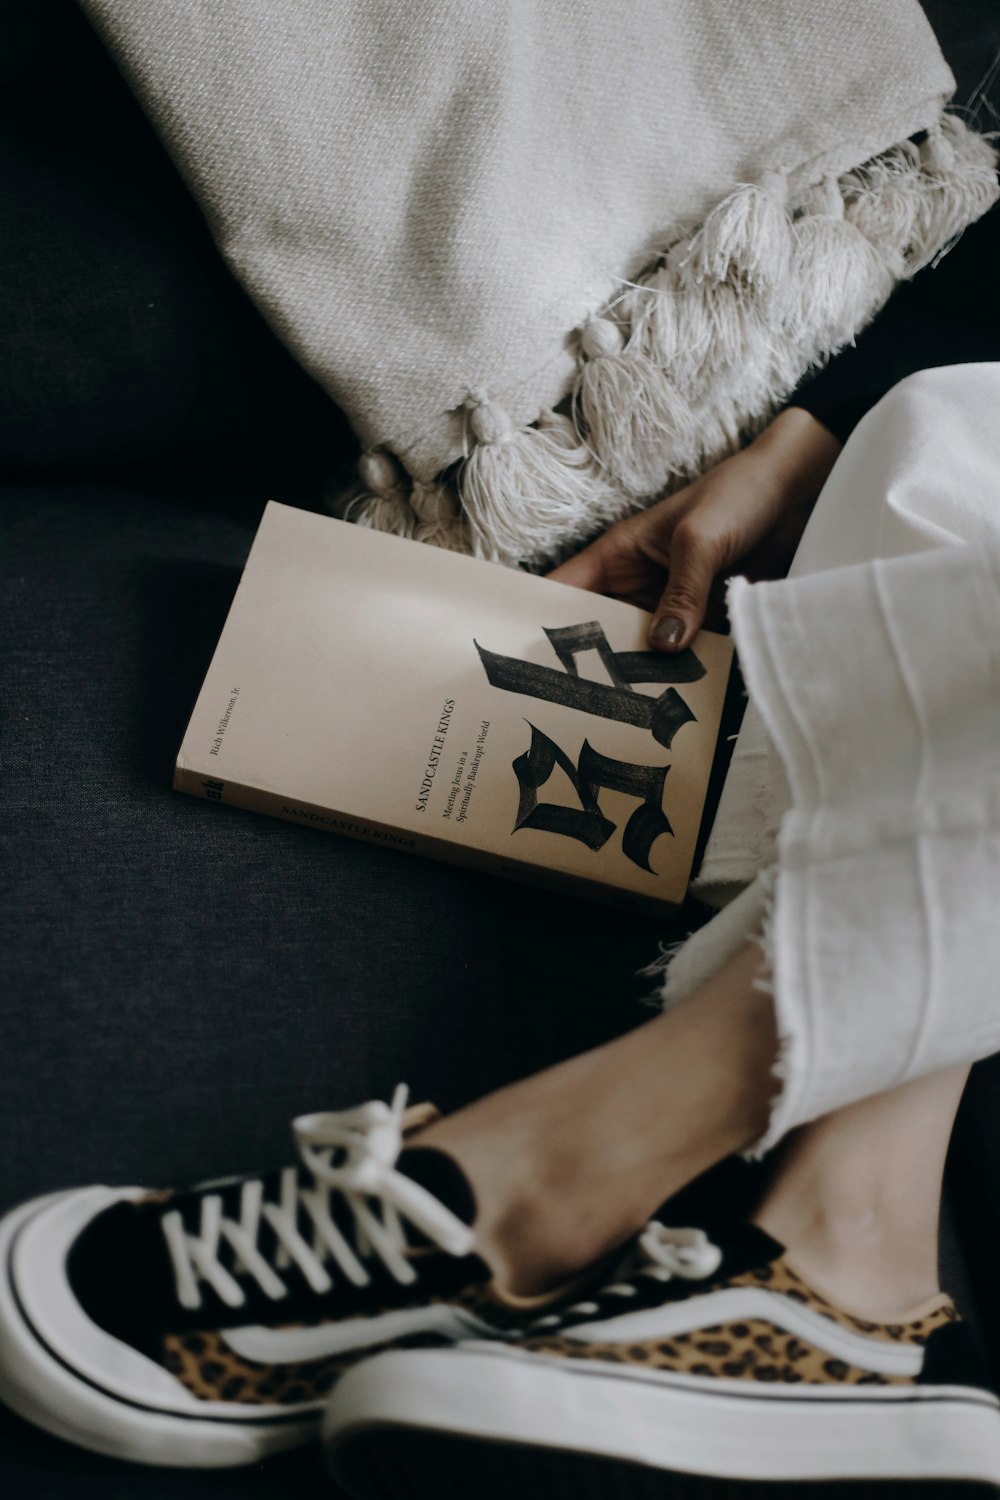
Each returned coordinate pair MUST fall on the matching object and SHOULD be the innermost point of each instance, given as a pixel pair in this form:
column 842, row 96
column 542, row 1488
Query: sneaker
column 705, row 1370
column 206, row 1327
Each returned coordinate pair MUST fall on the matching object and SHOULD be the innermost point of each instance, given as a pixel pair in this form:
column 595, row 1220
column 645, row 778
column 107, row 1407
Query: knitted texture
column 460, row 216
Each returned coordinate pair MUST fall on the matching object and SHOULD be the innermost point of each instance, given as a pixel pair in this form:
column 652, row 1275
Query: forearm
column 793, row 456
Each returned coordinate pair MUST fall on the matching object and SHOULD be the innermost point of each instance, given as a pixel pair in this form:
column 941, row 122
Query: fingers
column 608, row 566
column 681, row 611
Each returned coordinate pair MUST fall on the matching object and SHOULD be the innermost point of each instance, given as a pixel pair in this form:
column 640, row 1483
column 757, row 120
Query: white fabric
column 875, row 672
column 743, row 1304
column 288, row 1344
column 427, row 197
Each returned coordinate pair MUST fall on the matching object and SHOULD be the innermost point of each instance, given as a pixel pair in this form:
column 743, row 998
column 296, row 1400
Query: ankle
column 542, row 1213
column 860, row 1261
column 532, row 1245
column 568, row 1164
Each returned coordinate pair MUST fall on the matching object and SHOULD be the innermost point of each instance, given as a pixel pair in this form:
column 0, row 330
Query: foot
column 205, row 1327
column 712, row 1365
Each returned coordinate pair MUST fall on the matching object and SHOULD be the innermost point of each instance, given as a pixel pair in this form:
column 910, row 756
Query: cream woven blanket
column 460, row 216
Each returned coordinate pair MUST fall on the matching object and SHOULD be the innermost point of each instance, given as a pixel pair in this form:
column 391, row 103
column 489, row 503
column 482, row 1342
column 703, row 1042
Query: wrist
column 794, row 455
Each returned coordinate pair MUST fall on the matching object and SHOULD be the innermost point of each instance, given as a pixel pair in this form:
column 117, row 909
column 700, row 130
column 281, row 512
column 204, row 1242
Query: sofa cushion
column 124, row 342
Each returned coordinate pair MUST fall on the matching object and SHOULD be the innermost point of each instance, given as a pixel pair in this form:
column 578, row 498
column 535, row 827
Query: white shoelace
column 663, row 1254
column 365, row 1143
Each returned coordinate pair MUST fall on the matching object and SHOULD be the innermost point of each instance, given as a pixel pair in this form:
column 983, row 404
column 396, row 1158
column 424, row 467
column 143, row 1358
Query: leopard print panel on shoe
column 205, row 1364
column 779, row 1277
column 755, row 1348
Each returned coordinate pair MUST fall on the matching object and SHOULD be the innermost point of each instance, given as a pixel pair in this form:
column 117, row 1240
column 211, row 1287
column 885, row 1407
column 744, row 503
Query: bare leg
column 567, row 1164
column 857, row 1195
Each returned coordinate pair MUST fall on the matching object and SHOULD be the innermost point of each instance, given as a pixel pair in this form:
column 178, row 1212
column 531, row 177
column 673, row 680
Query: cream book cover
column 391, row 691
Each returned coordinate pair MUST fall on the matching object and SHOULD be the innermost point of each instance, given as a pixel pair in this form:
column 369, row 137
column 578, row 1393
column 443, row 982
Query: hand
column 747, row 515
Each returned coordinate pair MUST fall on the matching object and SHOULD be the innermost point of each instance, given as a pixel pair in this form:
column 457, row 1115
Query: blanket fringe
column 530, row 491
column 642, row 427
column 439, row 522
column 959, row 184
column 745, row 241
column 697, row 355
column 383, row 503
column 837, row 277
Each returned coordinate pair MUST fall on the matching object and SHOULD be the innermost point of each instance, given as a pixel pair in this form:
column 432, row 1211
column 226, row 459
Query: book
column 392, row 691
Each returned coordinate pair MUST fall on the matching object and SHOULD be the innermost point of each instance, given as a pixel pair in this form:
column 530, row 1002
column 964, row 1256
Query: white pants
column 861, row 817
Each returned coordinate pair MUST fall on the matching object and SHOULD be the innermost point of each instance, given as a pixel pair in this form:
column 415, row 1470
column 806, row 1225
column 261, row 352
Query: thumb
column 681, row 611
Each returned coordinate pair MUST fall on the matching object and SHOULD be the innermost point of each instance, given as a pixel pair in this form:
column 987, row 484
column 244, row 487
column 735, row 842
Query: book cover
column 387, row 690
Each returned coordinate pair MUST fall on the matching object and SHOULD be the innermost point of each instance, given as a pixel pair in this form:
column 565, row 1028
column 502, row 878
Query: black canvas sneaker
column 205, row 1327
column 704, row 1370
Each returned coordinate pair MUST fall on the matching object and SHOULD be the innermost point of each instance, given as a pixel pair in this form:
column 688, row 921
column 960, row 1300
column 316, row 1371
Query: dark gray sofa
column 180, row 979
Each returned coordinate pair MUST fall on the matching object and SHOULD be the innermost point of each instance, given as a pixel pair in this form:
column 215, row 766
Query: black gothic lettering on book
column 592, row 772
column 663, row 716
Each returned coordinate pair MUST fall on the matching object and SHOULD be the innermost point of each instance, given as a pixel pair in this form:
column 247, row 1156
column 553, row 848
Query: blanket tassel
column 386, row 505
column 523, row 488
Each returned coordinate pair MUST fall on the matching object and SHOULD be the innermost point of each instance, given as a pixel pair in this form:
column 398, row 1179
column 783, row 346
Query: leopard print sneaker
column 703, row 1371
column 206, row 1327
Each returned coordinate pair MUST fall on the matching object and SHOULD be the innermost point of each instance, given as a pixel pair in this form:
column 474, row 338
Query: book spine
column 210, row 787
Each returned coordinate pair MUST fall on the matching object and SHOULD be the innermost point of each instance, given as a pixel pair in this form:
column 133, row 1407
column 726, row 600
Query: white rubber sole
column 674, row 1424
column 46, row 1391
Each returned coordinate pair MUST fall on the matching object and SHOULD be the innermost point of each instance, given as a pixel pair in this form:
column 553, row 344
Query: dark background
column 181, row 979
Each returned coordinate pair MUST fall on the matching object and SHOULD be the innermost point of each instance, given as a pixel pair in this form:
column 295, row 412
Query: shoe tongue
column 442, row 1177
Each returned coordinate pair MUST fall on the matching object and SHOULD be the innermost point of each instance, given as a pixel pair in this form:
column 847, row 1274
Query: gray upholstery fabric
column 184, row 977
column 125, row 346
column 180, row 979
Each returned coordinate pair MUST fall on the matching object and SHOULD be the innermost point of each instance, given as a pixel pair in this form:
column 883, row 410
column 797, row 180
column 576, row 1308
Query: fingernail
column 667, row 633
